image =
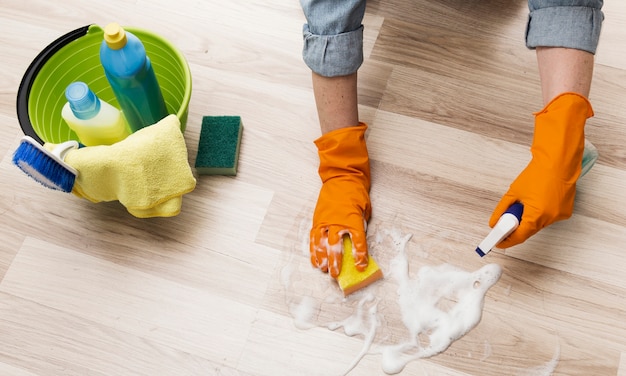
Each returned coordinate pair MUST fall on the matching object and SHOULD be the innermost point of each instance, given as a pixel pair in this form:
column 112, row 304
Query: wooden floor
column 448, row 90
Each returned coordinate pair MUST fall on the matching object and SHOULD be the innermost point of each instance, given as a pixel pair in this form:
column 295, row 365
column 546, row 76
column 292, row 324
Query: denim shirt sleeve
column 564, row 23
column 333, row 36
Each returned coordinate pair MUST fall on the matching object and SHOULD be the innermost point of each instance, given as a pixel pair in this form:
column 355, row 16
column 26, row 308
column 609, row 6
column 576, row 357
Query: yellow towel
column 148, row 172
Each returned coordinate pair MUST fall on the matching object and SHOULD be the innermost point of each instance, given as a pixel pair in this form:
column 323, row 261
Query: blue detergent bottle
column 131, row 77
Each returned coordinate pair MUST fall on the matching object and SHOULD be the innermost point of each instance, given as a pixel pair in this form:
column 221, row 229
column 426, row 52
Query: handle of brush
column 61, row 150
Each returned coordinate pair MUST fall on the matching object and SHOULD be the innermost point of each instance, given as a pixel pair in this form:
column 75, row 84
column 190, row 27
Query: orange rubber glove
column 343, row 205
column 547, row 186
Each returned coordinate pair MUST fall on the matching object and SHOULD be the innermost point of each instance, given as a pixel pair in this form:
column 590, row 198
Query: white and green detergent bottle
column 94, row 121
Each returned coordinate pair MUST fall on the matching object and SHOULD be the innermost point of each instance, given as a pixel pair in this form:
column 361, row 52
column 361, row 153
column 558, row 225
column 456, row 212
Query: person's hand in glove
column 343, row 205
column 547, row 186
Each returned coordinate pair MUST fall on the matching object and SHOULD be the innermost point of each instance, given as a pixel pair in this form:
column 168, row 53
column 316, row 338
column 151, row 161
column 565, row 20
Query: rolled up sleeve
column 333, row 36
column 564, row 23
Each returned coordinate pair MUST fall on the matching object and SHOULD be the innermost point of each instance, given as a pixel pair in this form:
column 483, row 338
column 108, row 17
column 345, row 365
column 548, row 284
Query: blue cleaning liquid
column 131, row 76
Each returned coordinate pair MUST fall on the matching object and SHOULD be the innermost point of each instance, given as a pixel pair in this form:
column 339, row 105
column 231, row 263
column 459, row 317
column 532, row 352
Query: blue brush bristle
column 43, row 168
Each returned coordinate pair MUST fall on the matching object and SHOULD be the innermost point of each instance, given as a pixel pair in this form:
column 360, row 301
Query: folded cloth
column 148, row 172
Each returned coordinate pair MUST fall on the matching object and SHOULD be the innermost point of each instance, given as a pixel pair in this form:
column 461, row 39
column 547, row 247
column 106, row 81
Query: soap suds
column 487, row 353
column 423, row 314
column 303, row 312
column 545, row 369
column 507, row 292
column 438, row 306
column 361, row 323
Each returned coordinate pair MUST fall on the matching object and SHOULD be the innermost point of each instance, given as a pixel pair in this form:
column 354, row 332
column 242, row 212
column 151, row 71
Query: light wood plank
column 129, row 301
column 39, row 340
column 447, row 89
column 613, row 34
column 621, row 371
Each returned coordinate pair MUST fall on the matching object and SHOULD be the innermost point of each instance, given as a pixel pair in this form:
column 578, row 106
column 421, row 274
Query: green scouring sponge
column 218, row 148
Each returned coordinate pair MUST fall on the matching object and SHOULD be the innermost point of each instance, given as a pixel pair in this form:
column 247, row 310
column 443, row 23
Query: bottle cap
column 115, row 36
column 83, row 102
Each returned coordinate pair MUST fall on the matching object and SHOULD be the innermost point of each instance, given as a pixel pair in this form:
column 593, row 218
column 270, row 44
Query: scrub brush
column 44, row 166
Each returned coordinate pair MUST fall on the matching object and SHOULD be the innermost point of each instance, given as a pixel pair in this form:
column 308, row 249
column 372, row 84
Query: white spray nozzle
column 507, row 223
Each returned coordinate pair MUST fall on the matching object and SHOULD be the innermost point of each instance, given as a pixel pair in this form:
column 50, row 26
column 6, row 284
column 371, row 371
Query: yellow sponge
column 350, row 279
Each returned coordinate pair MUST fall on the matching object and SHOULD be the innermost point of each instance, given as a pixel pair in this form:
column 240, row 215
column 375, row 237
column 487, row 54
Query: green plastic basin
column 75, row 56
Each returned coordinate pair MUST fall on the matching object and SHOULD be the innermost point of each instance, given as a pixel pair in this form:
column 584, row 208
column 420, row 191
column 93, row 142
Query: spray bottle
column 508, row 222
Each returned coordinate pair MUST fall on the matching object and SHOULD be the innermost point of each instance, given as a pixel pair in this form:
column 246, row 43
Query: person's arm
column 336, row 100
column 333, row 50
column 564, row 70
column 565, row 35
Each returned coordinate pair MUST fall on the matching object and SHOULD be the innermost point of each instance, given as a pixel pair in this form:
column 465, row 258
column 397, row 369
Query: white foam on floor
column 437, row 308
